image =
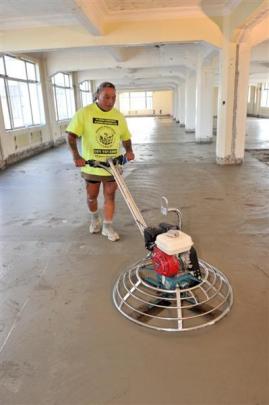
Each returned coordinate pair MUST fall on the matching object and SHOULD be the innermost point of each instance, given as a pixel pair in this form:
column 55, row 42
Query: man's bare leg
column 109, row 189
column 92, row 201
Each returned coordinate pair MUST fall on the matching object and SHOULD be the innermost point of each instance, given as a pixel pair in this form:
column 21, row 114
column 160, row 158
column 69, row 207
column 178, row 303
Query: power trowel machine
column 170, row 289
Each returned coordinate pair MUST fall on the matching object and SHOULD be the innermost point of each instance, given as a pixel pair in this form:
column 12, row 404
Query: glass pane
column 41, row 105
column 15, row 68
column 26, row 106
column 59, row 79
column 70, row 81
column 249, row 94
column 4, row 104
column 36, row 103
column 138, row 101
column 30, row 71
column 149, row 102
column 86, row 98
column 264, row 97
column 37, row 73
column 61, row 103
column 67, row 80
column 20, row 104
column 70, row 103
column 124, row 103
column 2, row 68
column 55, row 104
column 84, row 85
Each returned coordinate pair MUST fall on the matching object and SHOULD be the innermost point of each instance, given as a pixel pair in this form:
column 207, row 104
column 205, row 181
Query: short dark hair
column 101, row 87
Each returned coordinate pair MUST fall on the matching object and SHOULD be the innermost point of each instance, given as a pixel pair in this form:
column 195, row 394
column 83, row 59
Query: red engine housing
column 164, row 264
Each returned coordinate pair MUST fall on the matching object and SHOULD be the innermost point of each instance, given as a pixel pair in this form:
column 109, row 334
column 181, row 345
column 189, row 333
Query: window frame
column 67, row 87
column 265, row 94
column 85, row 91
column 147, row 97
column 11, row 78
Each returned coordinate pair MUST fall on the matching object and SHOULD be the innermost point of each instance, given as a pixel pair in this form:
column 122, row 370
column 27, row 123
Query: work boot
column 95, row 224
column 110, row 232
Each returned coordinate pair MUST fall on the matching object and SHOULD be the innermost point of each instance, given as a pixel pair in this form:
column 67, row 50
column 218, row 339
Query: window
column 136, row 100
column 63, row 93
column 20, row 92
column 85, row 93
column 265, row 95
column 249, row 94
column 125, row 102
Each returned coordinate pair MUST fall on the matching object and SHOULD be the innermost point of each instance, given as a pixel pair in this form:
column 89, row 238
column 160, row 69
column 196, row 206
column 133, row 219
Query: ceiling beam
column 90, row 16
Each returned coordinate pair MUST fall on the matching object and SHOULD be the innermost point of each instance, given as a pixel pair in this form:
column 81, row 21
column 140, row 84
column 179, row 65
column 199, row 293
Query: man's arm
column 72, row 142
column 129, row 150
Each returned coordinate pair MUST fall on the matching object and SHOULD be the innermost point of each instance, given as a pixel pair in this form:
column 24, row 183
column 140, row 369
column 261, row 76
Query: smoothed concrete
column 61, row 340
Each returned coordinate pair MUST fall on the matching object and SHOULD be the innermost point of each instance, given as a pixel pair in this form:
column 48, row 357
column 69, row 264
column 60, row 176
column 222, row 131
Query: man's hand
column 128, row 148
column 130, row 155
column 79, row 161
column 72, row 141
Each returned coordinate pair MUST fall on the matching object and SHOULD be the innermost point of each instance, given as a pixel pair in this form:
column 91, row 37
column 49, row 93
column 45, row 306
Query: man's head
column 106, row 96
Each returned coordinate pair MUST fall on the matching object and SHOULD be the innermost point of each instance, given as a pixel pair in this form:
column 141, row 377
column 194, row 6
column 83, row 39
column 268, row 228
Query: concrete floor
column 62, row 342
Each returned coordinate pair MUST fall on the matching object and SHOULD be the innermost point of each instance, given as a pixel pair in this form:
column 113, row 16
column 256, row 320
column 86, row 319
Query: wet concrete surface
column 62, row 341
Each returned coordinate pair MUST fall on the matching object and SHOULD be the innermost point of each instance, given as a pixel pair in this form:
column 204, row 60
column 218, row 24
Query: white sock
column 94, row 215
column 107, row 224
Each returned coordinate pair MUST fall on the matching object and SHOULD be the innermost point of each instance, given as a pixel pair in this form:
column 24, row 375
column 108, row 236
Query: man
column 102, row 129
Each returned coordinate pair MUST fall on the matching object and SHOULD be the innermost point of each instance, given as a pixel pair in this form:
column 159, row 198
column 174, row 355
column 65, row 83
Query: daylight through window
column 265, row 95
column 63, row 93
column 135, row 101
column 85, row 93
column 20, row 92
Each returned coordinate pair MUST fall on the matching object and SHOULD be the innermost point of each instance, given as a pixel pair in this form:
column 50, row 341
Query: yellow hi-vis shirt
column 101, row 132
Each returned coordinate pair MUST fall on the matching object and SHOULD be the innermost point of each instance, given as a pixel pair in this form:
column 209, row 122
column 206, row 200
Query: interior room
column 191, row 80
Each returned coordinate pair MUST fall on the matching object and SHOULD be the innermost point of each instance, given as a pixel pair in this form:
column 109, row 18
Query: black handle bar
column 117, row 160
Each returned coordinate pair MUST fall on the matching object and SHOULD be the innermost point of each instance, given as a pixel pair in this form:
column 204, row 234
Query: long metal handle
column 140, row 222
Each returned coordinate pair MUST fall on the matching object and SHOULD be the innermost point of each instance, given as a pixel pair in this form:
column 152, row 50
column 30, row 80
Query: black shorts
column 92, row 178
column 98, row 181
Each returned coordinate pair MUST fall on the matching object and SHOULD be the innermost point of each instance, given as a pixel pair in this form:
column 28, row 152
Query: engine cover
column 174, row 242
column 164, row 264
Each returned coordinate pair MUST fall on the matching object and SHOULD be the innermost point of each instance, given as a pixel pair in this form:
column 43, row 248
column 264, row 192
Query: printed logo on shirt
column 105, row 151
column 105, row 136
column 106, row 121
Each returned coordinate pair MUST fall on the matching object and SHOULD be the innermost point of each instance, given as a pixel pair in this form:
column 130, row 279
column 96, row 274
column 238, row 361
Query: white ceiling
column 155, row 64
column 31, row 13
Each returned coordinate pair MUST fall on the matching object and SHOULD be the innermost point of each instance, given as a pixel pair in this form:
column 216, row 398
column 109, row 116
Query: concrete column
column 48, row 99
column 175, row 97
column 78, row 102
column 50, row 109
column 232, row 108
column 257, row 99
column 190, row 102
column 204, row 104
column 94, row 86
column 177, row 104
column 2, row 132
column 181, row 104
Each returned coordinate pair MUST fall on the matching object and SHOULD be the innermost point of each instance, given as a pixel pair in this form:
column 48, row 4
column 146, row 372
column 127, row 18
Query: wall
column 162, row 102
column 253, row 107
column 215, row 96
column 21, row 143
